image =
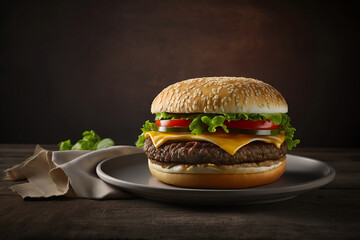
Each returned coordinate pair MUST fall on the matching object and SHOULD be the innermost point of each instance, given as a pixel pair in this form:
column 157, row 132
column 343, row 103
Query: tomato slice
column 250, row 124
column 237, row 124
column 173, row 123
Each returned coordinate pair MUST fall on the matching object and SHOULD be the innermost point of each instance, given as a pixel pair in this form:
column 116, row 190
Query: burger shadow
column 201, row 203
column 226, row 207
column 301, row 206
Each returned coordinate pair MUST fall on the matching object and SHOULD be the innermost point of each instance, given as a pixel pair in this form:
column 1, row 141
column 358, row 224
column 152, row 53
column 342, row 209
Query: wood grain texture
column 327, row 213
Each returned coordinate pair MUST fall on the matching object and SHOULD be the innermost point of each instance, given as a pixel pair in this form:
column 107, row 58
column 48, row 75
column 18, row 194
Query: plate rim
column 130, row 186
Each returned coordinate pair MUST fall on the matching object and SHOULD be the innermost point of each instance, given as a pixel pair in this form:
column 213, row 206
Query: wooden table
column 332, row 212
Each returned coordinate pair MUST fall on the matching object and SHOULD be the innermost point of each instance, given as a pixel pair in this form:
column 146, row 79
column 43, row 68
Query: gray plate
column 131, row 173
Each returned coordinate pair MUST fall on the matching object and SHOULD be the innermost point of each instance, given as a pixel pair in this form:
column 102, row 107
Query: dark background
column 69, row 66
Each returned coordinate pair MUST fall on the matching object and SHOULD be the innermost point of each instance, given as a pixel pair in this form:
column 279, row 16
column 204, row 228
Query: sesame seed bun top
column 219, row 95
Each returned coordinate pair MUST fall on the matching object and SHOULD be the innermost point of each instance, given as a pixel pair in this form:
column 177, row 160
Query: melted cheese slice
column 230, row 142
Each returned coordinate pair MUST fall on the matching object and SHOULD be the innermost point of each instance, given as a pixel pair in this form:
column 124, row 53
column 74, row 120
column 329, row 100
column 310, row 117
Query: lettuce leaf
column 214, row 121
column 196, row 126
column 65, row 145
column 90, row 141
column 165, row 115
column 148, row 126
column 289, row 132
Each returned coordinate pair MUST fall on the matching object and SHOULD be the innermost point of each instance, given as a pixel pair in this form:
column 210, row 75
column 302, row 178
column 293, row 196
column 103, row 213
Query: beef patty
column 195, row 152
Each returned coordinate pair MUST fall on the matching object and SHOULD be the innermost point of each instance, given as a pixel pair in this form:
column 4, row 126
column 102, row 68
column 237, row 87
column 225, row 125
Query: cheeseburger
column 218, row 132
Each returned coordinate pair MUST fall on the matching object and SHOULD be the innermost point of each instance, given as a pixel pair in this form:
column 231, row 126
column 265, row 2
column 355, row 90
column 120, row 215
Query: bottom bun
column 218, row 180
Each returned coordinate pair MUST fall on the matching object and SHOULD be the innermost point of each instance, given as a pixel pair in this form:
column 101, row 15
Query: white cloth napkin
column 66, row 173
